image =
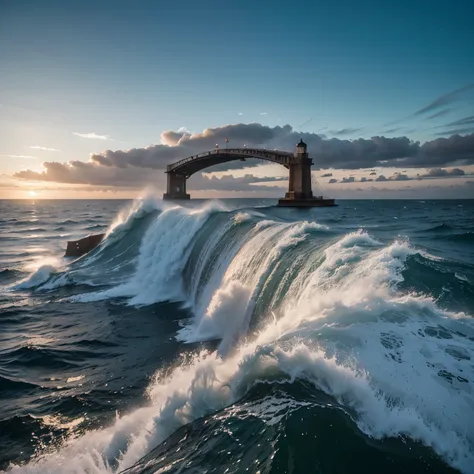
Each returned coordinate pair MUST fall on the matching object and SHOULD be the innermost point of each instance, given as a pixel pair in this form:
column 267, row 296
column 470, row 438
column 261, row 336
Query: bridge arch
column 299, row 165
column 193, row 164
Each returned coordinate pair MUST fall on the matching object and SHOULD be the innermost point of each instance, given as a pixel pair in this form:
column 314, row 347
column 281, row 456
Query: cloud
column 435, row 173
column 391, row 130
column 175, row 146
column 399, row 177
column 373, row 173
column 345, row 131
column 331, row 181
column 457, row 131
column 36, row 147
column 305, row 123
column 26, row 157
column 326, row 175
column 326, row 153
column 8, row 185
column 441, row 113
column 363, row 179
column 263, row 113
column 464, row 121
column 78, row 172
column 445, row 99
column 171, row 138
column 240, row 113
column 92, row 135
column 332, row 153
column 445, row 151
column 230, row 183
column 441, row 172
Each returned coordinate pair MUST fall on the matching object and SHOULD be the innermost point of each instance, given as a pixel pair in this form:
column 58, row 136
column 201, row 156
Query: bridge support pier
column 176, row 187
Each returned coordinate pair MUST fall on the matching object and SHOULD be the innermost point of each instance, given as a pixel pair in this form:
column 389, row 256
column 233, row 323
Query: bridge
column 299, row 165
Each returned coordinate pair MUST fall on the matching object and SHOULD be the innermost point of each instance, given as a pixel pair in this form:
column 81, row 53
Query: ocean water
column 236, row 337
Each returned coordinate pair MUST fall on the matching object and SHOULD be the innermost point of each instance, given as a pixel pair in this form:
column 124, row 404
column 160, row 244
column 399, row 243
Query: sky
column 96, row 98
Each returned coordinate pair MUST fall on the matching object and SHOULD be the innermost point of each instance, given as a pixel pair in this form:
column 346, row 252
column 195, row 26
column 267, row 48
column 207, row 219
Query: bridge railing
column 282, row 157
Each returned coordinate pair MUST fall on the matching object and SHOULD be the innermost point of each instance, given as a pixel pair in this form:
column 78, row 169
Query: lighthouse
column 299, row 192
column 301, row 148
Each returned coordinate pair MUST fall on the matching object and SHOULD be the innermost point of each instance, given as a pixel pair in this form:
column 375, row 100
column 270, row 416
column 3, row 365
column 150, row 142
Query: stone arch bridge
column 298, row 164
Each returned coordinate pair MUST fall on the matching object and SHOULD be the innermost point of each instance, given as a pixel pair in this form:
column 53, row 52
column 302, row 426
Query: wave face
column 298, row 337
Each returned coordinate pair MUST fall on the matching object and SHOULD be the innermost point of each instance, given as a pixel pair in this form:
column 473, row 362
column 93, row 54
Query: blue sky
column 130, row 70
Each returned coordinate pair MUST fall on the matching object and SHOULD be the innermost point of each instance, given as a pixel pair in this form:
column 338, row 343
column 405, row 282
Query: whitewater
column 279, row 314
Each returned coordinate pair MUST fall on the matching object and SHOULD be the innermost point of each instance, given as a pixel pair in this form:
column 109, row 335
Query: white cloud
column 37, row 147
column 92, row 135
column 27, row 157
column 263, row 113
column 241, row 113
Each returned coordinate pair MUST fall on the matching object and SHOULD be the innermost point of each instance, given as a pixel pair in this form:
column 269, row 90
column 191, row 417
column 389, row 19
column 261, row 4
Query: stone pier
column 176, row 187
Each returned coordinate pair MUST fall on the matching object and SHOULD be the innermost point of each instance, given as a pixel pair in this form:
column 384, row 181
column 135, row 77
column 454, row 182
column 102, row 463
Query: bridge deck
column 194, row 163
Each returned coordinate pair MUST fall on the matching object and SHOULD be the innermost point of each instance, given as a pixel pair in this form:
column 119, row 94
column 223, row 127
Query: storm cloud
column 140, row 164
column 326, row 153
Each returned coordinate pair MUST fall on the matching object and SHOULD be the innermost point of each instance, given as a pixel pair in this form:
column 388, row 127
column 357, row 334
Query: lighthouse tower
column 299, row 192
column 299, row 186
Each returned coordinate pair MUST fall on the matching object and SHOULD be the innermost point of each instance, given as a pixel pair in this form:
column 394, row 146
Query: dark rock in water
column 76, row 248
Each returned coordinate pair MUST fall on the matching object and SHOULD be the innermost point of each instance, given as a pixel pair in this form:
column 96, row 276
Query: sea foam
column 333, row 316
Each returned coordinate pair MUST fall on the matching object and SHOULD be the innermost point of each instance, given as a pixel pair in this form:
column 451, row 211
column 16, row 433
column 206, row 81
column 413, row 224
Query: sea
column 233, row 336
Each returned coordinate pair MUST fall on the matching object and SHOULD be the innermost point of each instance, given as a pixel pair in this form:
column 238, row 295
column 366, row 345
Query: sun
column 33, row 193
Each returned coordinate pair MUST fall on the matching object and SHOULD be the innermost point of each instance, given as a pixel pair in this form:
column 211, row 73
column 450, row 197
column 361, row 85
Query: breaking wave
column 37, row 278
column 288, row 303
